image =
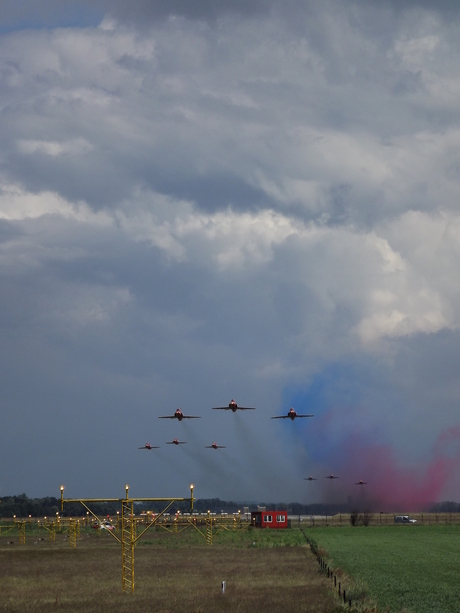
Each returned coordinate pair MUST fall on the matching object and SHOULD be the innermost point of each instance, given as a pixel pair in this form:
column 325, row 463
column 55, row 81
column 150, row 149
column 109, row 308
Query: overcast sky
column 257, row 201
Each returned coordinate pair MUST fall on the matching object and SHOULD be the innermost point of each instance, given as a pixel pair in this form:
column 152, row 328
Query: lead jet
column 215, row 446
column 148, row 446
column 310, row 478
column 331, row 476
column 291, row 414
column 176, row 441
column 361, row 482
column 232, row 406
column 178, row 415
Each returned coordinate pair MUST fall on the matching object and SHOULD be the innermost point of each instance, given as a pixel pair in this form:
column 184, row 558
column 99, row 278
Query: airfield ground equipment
column 207, row 524
column 128, row 537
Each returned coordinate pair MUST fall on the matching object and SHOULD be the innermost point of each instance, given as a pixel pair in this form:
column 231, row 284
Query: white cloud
column 202, row 204
column 53, row 148
column 16, row 203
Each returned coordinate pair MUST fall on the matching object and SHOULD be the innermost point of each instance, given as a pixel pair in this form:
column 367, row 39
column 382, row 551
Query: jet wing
column 304, row 415
column 191, row 417
column 167, row 417
column 282, row 417
column 238, row 408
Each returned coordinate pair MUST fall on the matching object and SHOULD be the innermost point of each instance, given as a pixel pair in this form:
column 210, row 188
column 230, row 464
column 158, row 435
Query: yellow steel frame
column 51, row 527
column 22, row 532
column 208, row 530
column 128, row 537
column 213, row 525
column 72, row 533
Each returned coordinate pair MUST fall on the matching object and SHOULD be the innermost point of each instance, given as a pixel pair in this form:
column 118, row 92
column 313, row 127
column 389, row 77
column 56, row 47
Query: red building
column 269, row 519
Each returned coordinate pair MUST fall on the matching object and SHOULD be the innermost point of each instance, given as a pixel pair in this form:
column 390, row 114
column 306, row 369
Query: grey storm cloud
column 142, row 13
column 204, row 203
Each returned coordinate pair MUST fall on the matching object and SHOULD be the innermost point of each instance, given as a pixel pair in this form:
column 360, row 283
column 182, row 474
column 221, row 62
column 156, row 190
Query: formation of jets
column 310, row 478
column 233, row 406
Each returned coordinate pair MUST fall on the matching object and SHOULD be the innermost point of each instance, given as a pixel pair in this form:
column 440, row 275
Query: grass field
column 413, row 569
column 265, row 571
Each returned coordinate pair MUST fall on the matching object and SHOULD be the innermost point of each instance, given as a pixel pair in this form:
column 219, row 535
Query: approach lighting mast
column 128, row 537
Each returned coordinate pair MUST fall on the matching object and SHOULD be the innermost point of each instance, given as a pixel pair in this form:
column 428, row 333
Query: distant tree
column 354, row 517
column 366, row 518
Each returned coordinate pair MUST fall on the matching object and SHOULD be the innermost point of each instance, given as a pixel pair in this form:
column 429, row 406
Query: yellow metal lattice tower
column 128, row 525
column 72, row 533
column 209, row 529
column 22, row 533
column 127, row 544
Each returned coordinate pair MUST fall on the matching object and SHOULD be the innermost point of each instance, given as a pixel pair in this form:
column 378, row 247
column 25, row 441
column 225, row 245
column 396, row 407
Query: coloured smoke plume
column 389, row 486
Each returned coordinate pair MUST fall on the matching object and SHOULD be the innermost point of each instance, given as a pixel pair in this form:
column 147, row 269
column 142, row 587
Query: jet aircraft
column 291, row 414
column 331, row 476
column 361, row 482
column 232, row 406
column 148, row 446
column 178, row 415
column 215, row 446
column 310, row 478
column 176, row 441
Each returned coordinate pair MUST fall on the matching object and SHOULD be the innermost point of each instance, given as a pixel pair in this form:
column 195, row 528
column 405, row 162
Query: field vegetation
column 410, row 568
column 174, row 573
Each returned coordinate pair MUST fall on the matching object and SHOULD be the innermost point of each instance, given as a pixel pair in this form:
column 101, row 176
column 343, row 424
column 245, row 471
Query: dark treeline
column 22, row 507
column 448, row 506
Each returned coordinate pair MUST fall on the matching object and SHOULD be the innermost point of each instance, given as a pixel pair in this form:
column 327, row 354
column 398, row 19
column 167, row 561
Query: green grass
column 405, row 568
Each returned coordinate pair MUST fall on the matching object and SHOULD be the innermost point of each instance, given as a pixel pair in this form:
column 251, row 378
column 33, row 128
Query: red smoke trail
column 392, row 487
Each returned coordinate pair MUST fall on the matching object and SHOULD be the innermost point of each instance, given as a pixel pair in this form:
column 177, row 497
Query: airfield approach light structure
column 191, row 496
column 128, row 537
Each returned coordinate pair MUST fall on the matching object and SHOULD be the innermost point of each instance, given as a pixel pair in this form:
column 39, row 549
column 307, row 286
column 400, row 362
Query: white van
column 404, row 519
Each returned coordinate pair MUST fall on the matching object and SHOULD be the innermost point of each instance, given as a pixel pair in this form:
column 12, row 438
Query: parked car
column 404, row 519
column 103, row 525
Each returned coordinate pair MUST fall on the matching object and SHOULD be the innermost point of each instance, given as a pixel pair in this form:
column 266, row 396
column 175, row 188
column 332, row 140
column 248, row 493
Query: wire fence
column 373, row 519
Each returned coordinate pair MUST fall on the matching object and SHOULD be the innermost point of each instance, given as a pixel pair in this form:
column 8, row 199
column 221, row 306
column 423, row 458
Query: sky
column 255, row 200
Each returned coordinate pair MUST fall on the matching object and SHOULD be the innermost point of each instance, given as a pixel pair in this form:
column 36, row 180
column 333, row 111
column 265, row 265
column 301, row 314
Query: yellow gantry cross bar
column 128, row 526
